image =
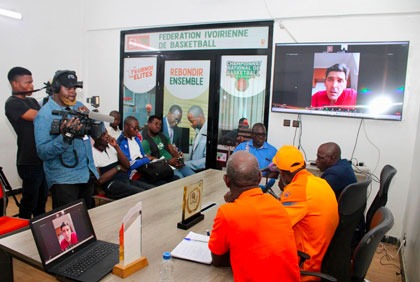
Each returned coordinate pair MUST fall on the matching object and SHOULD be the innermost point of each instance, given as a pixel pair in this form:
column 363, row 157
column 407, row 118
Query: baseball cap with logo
column 68, row 79
column 289, row 158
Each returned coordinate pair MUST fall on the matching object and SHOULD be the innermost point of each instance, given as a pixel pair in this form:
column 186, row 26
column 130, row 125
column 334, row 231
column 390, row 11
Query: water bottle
column 166, row 268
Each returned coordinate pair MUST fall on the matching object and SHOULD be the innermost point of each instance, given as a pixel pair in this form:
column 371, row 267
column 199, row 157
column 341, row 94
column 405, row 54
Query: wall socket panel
column 286, row 122
column 295, row 123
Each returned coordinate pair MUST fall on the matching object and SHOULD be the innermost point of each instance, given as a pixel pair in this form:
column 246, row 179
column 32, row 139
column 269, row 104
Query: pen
column 209, row 206
column 196, row 240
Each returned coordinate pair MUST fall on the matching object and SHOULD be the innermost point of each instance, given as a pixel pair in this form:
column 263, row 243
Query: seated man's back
column 254, row 232
column 310, row 203
column 336, row 171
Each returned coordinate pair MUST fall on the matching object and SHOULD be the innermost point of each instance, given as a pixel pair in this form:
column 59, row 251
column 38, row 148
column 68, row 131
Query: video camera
column 91, row 123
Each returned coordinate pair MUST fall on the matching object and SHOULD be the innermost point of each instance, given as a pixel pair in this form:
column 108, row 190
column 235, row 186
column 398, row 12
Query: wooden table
column 161, row 211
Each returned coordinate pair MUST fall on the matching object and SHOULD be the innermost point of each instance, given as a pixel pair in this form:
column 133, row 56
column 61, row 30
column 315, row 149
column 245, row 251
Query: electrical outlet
column 295, row 123
column 286, row 122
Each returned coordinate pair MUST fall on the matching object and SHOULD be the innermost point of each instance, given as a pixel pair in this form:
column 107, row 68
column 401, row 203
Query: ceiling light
column 10, row 14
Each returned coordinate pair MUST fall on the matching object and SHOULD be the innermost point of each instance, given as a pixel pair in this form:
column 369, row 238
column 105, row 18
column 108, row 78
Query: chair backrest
column 387, row 173
column 351, row 207
column 2, row 199
column 3, row 195
column 382, row 222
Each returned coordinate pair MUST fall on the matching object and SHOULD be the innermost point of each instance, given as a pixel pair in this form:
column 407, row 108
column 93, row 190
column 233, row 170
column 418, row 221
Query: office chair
column 382, row 222
column 387, row 173
column 351, row 207
column 8, row 223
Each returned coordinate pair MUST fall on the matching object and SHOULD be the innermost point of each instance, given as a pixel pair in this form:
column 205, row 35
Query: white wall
column 85, row 35
column 47, row 39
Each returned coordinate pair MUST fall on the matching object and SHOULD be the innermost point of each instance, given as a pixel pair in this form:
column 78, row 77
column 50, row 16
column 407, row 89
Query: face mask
column 68, row 102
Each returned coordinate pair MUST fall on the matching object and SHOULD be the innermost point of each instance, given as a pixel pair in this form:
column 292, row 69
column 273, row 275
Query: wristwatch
column 118, row 167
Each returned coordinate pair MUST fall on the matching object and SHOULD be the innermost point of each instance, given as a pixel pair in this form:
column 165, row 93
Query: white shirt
column 113, row 133
column 134, row 148
column 106, row 157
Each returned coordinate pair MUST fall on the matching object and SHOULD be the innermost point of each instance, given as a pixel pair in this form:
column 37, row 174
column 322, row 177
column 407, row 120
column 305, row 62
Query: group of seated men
column 305, row 218
column 118, row 157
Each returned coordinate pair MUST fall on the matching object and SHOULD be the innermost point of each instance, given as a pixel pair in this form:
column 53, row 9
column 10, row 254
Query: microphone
column 91, row 115
column 100, row 117
column 265, row 169
column 28, row 92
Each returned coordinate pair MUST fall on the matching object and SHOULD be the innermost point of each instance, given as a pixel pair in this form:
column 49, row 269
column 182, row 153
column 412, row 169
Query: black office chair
column 387, row 173
column 351, row 207
column 382, row 222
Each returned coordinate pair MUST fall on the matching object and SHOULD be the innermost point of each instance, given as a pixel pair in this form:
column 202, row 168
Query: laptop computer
column 65, row 239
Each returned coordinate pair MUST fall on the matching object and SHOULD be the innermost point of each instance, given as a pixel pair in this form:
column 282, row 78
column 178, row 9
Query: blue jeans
column 34, row 190
column 183, row 171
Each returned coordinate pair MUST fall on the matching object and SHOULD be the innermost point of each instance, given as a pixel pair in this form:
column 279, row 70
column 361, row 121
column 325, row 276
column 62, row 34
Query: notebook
column 193, row 247
column 64, row 237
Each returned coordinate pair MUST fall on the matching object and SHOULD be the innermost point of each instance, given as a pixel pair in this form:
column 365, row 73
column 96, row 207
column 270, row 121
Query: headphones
column 56, row 84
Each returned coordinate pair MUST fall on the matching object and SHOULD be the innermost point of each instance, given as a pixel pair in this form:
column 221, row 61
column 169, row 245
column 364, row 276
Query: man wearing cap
column 253, row 233
column 68, row 160
column 310, row 203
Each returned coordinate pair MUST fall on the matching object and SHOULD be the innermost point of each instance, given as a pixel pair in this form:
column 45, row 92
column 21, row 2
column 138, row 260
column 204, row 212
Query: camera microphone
column 100, row 117
column 28, row 92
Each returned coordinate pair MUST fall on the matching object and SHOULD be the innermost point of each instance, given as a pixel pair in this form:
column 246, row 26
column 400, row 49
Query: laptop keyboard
column 84, row 262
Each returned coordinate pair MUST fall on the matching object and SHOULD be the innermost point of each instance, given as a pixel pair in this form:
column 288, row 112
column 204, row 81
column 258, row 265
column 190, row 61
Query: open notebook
column 193, row 247
column 68, row 247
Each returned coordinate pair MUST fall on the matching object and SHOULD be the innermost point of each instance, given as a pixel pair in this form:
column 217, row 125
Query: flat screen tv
column 365, row 79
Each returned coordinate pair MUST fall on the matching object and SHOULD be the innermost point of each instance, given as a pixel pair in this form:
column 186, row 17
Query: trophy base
column 124, row 271
column 189, row 222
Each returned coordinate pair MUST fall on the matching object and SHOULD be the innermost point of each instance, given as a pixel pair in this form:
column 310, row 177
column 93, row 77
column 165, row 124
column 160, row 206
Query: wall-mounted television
column 347, row 79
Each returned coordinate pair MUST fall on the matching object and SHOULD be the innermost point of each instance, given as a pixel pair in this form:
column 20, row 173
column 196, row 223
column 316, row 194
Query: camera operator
column 67, row 154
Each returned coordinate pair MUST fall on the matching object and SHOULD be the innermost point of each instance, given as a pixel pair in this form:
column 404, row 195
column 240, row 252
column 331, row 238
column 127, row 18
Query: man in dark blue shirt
column 336, row 171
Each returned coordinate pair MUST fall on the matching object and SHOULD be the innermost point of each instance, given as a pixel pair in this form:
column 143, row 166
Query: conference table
column 161, row 211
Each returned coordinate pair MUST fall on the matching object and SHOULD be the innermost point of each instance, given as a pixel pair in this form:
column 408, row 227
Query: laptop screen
column 61, row 231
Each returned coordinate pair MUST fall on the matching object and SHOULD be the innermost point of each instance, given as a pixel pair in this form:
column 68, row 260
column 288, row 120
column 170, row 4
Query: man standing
column 335, row 93
column 336, row 171
column 253, row 232
column 310, row 203
column 198, row 122
column 67, row 154
column 170, row 125
column 157, row 145
column 21, row 110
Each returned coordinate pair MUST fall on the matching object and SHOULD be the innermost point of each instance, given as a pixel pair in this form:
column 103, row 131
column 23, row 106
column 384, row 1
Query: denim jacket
column 52, row 148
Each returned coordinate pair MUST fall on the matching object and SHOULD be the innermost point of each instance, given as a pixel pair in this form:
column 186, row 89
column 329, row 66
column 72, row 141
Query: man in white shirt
column 112, row 167
column 113, row 128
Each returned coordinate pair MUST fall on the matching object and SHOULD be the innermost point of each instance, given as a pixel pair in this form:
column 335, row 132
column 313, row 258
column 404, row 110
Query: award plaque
column 191, row 205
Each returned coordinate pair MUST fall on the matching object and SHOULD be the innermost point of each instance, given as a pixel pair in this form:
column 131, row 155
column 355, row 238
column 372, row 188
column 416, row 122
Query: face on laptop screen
column 60, row 232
